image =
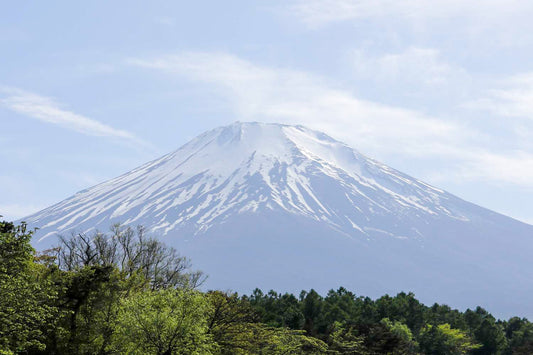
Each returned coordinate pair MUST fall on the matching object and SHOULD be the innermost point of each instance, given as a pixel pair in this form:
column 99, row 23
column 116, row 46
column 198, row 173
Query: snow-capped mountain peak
column 246, row 167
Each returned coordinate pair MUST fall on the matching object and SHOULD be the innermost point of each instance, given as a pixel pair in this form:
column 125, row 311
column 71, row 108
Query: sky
column 441, row 90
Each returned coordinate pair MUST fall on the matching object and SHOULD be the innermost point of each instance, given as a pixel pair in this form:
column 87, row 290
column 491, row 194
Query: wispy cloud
column 284, row 95
column 262, row 93
column 513, row 99
column 513, row 169
column 47, row 110
column 506, row 23
column 321, row 12
column 417, row 65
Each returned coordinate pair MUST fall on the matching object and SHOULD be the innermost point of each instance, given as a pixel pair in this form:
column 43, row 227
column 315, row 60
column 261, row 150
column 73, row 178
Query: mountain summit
column 286, row 207
column 253, row 167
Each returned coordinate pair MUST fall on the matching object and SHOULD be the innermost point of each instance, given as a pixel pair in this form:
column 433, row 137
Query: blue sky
column 441, row 89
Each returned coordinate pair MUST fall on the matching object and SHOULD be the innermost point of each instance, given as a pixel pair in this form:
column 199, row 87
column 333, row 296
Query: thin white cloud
column 47, row 110
column 503, row 23
column 512, row 169
column 260, row 93
column 321, row 12
column 513, row 99
column 283, row 95
column 414, row 65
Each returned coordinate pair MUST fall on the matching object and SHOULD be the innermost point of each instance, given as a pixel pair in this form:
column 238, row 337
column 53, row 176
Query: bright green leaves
column 26, row 294
column 443, row 339
column 170, row 321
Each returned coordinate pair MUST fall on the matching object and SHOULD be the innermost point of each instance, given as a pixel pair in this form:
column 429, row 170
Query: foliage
column 235, row 328
column 228, row 322
column 88, row 299
column 344, row 340
column 519, row 332
column 443, row 339
column 487, row 332
column 270, row 340
column 26, row 295
column 169, row 321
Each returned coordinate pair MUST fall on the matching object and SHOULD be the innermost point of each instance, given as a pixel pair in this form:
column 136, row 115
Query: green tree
column 276, row 309
column 519, row 331
column 384, row 338
column 26, row 293
column 406, row 343
column 491, row 336
column 312, row 311
column 440, row 314
column 261, row 339
column 89, row 299
column 444, row 340
column 164, row 322
column 344, row 340
column 233, row 324
column 96, row 273
column 339, row 306
column 228, row 322
column 486, row 331
column 404, row 307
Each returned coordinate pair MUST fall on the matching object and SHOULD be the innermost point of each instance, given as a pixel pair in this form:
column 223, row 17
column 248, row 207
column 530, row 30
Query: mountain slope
column 251, row 167
column 279, row 206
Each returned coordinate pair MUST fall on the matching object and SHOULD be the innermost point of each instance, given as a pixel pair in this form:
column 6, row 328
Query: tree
column 404, row 307
column 406, row 343
column 339, row 306
column 258, row 338
column 132, row 252
column 277, row 310
column 486, row 331
column 440, row 314
column 519, row 331
column 164, row 322
column 444, row 340
column 490, row 335
column 385, row 337
column 312, row 311
column 88, row 299
column 97, row 272
column 26, row 293
column 344, row 340
column 228, row 321
column 234, row 326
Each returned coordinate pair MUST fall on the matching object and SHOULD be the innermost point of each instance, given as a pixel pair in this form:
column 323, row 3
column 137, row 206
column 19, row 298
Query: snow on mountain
column 249, row 167
column 270, row 205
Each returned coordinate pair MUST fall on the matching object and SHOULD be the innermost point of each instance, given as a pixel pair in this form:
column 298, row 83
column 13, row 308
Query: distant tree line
column 127, row 293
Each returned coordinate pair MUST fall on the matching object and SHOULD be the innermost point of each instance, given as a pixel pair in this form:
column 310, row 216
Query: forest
column 125, row 292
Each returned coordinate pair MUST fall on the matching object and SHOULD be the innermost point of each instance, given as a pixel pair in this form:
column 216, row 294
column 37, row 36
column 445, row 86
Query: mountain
column 289, row 208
